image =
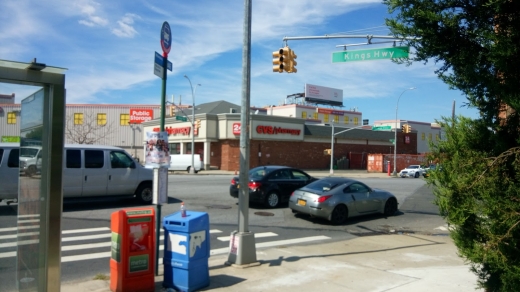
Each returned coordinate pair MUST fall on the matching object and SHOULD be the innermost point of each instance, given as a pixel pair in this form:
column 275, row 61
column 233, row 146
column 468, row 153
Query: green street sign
column 381, row 128
column 392, row 140
column 372, row 54
column 181, row 118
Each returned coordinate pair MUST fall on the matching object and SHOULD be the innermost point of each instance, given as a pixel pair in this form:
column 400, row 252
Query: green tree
column 477, row 44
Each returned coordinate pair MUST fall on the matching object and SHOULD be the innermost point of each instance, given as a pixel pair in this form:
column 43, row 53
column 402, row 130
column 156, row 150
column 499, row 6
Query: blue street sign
column 158, row 65
column 166, row 38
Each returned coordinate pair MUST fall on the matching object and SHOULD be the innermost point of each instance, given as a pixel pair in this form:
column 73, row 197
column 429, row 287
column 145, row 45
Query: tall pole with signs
column 161, row 173
column 242, row 250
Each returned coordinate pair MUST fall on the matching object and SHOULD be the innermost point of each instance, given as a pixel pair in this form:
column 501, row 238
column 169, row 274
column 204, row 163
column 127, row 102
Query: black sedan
column 339, row 198
column 272, row 184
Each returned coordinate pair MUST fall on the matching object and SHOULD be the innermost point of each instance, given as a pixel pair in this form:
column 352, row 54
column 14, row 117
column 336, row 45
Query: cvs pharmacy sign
column 137, row 116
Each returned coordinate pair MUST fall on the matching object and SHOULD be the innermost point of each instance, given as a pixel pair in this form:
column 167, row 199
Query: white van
column 30, row 159
column 182, row 162
column 95, row 171
column 9, row 171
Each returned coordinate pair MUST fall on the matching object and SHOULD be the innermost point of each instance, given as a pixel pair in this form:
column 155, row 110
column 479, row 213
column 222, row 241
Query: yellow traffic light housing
column 197, row 123
column 280, row 58
column 403, row 128
column 291, row 63
column 327, row 152
column 408, row 129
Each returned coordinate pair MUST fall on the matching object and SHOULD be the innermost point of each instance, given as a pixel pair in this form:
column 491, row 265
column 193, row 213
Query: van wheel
column 188, row 170
column 145, row 193
column 31, row 170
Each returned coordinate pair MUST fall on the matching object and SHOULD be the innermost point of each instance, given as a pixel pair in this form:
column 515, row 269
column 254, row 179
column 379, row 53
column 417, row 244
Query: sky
column 108, row 49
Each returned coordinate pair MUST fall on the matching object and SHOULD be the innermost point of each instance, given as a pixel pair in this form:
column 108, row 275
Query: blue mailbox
column 186, row 251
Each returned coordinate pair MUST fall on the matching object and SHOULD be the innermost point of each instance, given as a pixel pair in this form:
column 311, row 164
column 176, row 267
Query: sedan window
column 298, row 175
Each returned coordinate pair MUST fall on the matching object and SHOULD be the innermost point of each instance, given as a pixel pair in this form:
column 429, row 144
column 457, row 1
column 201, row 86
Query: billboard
column 137, row 116
column 323, row 95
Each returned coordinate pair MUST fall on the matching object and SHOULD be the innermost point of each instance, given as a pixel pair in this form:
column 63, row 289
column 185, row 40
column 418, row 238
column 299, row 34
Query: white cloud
column 89, row 9
column 125, row 28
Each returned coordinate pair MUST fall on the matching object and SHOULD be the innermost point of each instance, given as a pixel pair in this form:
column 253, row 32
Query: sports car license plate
column 302, row 202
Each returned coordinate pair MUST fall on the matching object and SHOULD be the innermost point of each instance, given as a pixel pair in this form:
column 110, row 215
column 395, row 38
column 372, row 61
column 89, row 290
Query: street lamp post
column 395, row 130
column 192, row 168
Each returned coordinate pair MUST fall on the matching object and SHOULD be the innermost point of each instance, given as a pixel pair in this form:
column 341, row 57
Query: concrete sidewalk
column 400, row 262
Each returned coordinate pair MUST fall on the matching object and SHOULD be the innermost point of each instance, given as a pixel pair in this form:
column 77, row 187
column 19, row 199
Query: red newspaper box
column 133, row 250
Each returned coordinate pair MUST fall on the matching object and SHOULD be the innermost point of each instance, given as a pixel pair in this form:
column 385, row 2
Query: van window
column 1, row 155
column 14, row 158
column 119, row 159
column 73, row 159
column 94, row 159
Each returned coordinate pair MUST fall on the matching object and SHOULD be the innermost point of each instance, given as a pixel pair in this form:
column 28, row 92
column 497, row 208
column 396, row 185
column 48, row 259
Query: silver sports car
column 339, row 198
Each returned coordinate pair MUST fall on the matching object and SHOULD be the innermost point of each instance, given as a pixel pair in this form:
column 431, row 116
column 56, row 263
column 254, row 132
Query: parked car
column 428, row 169
column 339, row 198
column 414, row 170
column 272, row 184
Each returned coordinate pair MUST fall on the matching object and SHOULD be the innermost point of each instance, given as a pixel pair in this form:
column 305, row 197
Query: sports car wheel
column 272, row 200
column 416, row 175
column 339, row 215
column 390, row 207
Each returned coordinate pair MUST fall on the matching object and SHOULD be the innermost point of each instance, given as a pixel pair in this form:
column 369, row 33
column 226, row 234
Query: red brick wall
column 305, row 155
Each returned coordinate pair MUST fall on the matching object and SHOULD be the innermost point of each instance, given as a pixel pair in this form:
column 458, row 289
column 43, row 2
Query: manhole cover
column 264, row 213
column 219, row 207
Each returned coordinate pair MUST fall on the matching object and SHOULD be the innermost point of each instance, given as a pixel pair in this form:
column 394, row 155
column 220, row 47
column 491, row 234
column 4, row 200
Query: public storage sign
column 137, row 116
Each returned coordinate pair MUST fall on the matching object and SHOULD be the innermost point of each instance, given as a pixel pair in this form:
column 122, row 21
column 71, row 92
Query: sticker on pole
column 166, row 38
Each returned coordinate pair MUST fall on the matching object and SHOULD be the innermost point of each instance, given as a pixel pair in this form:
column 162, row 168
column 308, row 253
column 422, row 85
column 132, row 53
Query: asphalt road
column 86, row 224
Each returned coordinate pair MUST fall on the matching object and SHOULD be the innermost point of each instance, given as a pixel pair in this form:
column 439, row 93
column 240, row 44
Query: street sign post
column 181, row 118
column 381, row 128
column 372, row 54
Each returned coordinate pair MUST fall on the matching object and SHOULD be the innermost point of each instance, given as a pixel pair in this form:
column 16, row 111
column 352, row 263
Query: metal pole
column 243, row 248
column 158, row 206
column 332, row 149
column 192, row 168
column 395, row 130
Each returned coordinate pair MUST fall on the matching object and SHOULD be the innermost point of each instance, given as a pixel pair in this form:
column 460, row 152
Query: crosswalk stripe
column 257, row 235
column 18, row 235
column 212, row 252
column 85, row 230
column 28, row 221
column 28, row 215
column 86, row 237
column 9, row 229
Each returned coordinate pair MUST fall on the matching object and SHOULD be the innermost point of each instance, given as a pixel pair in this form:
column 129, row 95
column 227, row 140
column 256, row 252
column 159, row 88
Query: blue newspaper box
column 186, row 251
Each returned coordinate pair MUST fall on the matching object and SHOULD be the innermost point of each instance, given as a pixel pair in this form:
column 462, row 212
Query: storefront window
column 346, row 120
column 175, row 148
column 188, row 148
column 326, row 118
column 356, row 121
column 336, row 119
column 315, row 116
column 304, row 115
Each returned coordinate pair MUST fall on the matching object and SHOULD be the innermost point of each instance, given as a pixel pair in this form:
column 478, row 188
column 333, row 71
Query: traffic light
column 327, row 152
column 280, row 59
column 291, row 63
column 403, row 128
column 197, row 123
column 408, row 129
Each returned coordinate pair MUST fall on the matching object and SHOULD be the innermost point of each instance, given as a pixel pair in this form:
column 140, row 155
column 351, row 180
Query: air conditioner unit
column 232, row 110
